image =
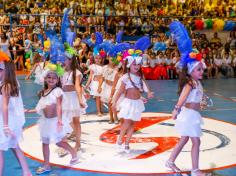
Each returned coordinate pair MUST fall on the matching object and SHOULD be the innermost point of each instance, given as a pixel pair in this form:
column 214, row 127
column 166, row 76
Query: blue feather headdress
column 91, row 43
column 134, row 53
column 67, row 35
column 119, row 36
column 189, row 57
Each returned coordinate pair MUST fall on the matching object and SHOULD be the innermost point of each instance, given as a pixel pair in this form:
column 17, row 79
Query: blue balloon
column 229, row 26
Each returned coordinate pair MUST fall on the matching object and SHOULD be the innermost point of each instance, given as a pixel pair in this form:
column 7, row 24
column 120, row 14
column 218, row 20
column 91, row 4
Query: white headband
column 131, row 59
column 193, row 65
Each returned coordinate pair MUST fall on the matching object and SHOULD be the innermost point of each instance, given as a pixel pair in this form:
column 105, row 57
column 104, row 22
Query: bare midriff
column 50, row 111
column 68, row 88
column 133, row 93
column 108, row 82
column 97, row 77
column 194, row 106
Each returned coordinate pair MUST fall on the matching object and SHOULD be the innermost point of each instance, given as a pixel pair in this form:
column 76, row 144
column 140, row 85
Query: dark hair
column 4, row 36
column 36, row 58
column 74, row 66
column 10, row 83
column 184, row 78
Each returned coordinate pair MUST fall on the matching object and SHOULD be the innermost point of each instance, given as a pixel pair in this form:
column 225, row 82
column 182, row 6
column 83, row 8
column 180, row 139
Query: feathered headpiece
column 66, row 34
column 57, row 50
column 190, row 57
column 69, row 51
column 102, row 49
column 119, row 36
column 116, row 52
column 3, row 57
column 135, row 53
column 57, row 68
column 90, row 43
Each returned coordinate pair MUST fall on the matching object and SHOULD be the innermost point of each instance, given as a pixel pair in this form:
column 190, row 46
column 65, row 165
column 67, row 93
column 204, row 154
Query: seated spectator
column 232, row 39
column 215, row 39
column 234, row 63
column 226, row 68
column 218, row 63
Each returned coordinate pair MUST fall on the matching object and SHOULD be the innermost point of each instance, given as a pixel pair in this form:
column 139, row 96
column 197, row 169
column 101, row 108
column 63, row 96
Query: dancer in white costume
column 74, row 104
column 39, row 69
column 186, row 111
column 132, row 85
column 12, row 117
column 96, row 71
column 53, row 126
column 106, row 83
column 114, row 91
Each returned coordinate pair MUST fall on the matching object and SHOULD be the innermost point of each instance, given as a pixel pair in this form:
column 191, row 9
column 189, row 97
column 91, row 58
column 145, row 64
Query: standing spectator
column 19, row 52
column 4, row 44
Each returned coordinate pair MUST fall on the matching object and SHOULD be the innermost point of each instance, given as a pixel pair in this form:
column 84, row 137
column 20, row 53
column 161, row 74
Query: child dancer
column 106, row 83
column 188, row 119
column 12, row 116
column 38, row 69
column 96, row 71
column 114, row 92
column 132, row 85
column 74, row 104
column 53, row 127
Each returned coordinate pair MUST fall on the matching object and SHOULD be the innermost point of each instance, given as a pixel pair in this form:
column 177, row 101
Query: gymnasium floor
column 152, row 143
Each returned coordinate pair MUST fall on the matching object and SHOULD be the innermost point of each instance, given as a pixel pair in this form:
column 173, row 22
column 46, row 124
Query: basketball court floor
column 152, row 142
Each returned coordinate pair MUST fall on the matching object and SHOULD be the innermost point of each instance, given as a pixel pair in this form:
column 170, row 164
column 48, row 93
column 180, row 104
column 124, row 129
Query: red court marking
column 163, row 143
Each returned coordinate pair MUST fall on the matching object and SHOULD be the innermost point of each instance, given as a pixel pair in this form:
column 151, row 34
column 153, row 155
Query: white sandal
column 172, row 166
column 74, row 161
column 197, row 172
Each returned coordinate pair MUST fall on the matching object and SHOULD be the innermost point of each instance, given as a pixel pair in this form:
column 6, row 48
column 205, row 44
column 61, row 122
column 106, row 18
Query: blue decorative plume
column 40, row 38
column 119, row 48
column 99, row 38
column 106, row 46
column 143, row 43
column 119, row 37
column 56, row 50
column 159, row 46
column 181, row 36
column 183, row 41
column 66, row 34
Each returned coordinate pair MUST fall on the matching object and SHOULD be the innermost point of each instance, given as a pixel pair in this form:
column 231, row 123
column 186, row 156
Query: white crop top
column 136, row 80
column 97, row 69
column 67, row 78
column 196, row 94
column 109, row 73
column 49, row 99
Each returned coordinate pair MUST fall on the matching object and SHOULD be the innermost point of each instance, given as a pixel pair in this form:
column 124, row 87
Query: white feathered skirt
column 94, row 88
column 16, row 120
column 49, row 132
column 71, row 106
column 188, row 123
column 131, row 109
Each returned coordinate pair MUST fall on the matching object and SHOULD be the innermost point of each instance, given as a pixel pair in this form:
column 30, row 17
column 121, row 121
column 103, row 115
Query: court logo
column 151, row 145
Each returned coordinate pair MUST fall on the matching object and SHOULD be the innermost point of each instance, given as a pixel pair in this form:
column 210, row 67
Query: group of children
column 62, row 103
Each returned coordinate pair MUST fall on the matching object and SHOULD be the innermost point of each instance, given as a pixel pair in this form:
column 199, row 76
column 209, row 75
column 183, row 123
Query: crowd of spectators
column 135, row 16
column 220, row 56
